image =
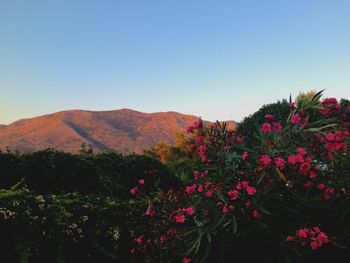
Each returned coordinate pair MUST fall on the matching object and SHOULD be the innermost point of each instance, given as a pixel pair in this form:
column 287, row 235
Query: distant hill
column 123, row 130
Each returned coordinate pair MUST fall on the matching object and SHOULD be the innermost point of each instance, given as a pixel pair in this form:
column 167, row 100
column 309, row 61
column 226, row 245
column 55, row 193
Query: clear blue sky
column 216, row 59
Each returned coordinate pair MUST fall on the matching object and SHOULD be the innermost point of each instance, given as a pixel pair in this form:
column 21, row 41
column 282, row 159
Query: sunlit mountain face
column 125, row 130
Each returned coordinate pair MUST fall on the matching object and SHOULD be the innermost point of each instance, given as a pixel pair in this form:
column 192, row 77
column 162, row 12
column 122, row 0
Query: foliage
column 56, row 172
column 283, row 198
column 64, row 228
column 249, row 127
column 276, row 189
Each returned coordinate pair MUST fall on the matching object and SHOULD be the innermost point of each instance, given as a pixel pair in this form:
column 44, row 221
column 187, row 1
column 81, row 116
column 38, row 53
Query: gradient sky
column 215, row 59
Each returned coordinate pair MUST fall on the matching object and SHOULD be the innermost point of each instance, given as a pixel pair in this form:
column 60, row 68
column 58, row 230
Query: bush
column 282, row 198
column 109, row 174
column 65, row 228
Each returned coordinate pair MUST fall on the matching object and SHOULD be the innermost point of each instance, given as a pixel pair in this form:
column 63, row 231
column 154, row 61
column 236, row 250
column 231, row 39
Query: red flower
column 180, row 219
column 276, row 127
column 265, row 159
column 251, row 190
column 209, row 194
column 256, row 214
column 233, row 194
column 269, row 117
column 190, row 189
column 245, row 155
column 141, row 181
column 189, row 211
column 280, row 163
column 139, row 240
column 292, row 160
column 266, row 127
column 296, row 119
column 314, row 245
column 186, row 260
column 133, row 191
column 303, row 232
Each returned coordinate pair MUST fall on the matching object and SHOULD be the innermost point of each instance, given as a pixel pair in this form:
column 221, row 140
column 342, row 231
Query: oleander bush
column 280, row 197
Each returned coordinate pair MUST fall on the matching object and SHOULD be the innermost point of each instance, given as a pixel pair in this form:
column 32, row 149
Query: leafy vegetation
column 275, row 189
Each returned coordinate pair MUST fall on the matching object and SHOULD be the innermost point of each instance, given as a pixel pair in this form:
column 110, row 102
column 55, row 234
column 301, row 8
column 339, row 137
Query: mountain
column 123, row 130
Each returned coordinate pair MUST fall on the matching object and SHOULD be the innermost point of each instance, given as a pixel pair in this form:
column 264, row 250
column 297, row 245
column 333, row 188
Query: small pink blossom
column 251, row 190
column 209, row 194
column 233, row 194
column 280, row 163
column 142, row 181
column 276, row 127
column 133, row 191
column 189, row 211
column 265, row 159
column 256, row 214
column 139, row 240
column 296, row 119
column 266, row 127
column 180, row 219
column 245, row 155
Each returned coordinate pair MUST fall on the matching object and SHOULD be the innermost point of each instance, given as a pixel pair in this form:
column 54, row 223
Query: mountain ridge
column 123, row 130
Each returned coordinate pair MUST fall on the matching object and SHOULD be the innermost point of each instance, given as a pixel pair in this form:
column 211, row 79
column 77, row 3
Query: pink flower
column 292, row 160
column 251, row 190
column 148, row 212
column 328, row 193
column 186, row 260
column 321, row 186
column 322, row 238
column 242, row 185
column 139, row 240
column 209, row 194
column 180, row 219
column 314, row 245
column 296, row 119
column 190, row 129
column 266, row 127
column 233, row 194
column 189, row 211
column 276, row 127
column 142, row 181
column 256, row 214
column 190, row 189
column 162, row 238
column 301, row 150
column 269, row 117
column 133, row 191
column 265, row 159
column 289, row 238
column 245, row 155
column 304, row 168
column 280, row 163
column 225, row 209
column 200, row 188
column 303, row 232
column 292, row 105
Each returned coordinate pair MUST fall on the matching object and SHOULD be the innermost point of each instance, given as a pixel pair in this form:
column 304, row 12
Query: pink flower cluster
column 198, row 124
column 271, row 125
column 335, row 142
column 312, row 236
column 181, row 212
column 329, row 106
column 302, row 162
column 299, row 119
